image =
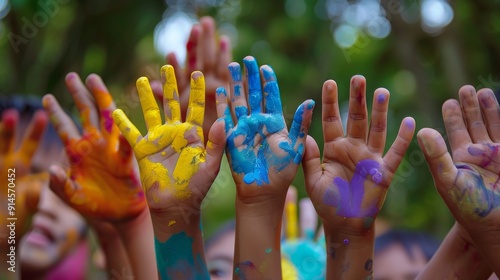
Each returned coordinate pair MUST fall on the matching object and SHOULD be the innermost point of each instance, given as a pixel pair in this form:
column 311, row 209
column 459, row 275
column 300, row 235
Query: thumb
column 215, row 146
column 60, row 184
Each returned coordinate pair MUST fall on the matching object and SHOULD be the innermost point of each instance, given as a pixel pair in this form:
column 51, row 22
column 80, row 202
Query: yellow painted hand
column 102, row 182
column 175, row 167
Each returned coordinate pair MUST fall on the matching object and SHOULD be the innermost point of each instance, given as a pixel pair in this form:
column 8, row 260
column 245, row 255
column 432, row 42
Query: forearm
column 456, row 258
column 488, row 245
column 349, row 253
column 115, row 253
column 179, row 245
column 257, row 248
column 137, row 235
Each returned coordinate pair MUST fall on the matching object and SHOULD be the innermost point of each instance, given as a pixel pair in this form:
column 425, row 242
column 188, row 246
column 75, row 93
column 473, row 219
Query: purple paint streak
column 348, row 196
column 487, row 156
column 107, row 120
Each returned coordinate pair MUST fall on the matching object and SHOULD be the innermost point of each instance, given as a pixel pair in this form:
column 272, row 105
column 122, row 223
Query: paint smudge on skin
column 175, row 259
column 369, row 265
column 307, row 256
column 269, row 250
column 346, row 241
column 348, row 197
column 381, row 98
column 488, row 153
column 171, row 223
column 247, row 270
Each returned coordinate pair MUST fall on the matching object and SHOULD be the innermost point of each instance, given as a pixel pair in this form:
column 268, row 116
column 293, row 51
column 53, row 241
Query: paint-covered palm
column 102, row 182
column 469, row 180
column 263, row 155
column 348, row 186
column 176, row 169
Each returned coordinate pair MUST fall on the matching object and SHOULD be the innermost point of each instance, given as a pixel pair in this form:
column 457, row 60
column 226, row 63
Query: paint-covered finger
column 149, row 106
column 472, row 113
column 331, row 119
column 126, row 127
column 396, row 152
column 223, row 112
column 491, row 112
column 60, row 184
column 438, row 159
column 457, row 132
column 357, row 122
column 171, row 105
column 124, row 149
column 225, row 57
column 10, row 120
column 207, row 47
column 196, row 106
column 378, row 124
column 192, row 61
column 63, row 124
column 239, row 104
column 84, row 101
column 254, row 84
column 301, row 123
column 308, row 218
column 272, row 98
column 34, row 134
column 104, row 101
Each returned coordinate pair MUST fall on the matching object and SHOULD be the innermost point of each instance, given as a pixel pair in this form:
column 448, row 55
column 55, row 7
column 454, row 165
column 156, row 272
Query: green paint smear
column 175, row 259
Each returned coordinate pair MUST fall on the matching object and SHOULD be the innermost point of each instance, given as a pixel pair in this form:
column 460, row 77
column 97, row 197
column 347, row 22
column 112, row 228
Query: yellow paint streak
column 150, row 109
column 170, row 94
column 187, row 166
column 196, row 107
column 291, row 220
column 171, row 223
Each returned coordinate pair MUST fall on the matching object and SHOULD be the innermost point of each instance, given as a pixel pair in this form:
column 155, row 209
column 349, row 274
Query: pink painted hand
column 206, row 52
column 349, row 185
column 102, row 182
column 176, row 168
column 468, row 180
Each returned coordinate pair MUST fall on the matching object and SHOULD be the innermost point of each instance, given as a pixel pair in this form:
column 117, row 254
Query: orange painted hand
column 348, row 186
column 102, row 182
column 21, row 189
column 175, row 167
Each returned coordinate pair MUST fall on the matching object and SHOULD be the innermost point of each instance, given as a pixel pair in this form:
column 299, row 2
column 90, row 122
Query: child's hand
column 176, row 169
column 21, row 188
column 102, row 182
column 210, row 54
column 348, row 186
column 263, row 155
column 469, row 178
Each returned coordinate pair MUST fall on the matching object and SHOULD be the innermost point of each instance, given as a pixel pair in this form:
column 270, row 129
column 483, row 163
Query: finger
column 396, row 152
column 215, row 147
column 148, row 103
column 191, row 50
column 254, row 86
column 378, row 123
column 83, row 100
column 223, row 112
column 311, row 163
column 34, row 134
column 62, row 123
column 357, row 121
column 301, row 122
column 332, row 122
column 456, row 130
column 124, row 149
column 60, row 184
column 239, row 104
column 207, row 46
column 272, row 98
column 472, row 113
column 291, row 227
column 196, row 107
column 308, row 218
column 10, row 120
column 438, row 159
column 491, row 113
column 104, row 101
column 225, row 57
column 126, row 127
column 171, row 105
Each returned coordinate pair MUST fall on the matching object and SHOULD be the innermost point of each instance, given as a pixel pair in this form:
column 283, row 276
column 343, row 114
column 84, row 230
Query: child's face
column 219, row 257
column 394, row 263
column 56, row 230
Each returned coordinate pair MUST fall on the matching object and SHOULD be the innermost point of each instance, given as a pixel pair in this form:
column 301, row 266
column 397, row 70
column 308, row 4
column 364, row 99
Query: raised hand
column 263, row 155
column 176, row 172
column 102, row 182
column 210, row 54
column 264, row 158
column 469, row 178
column 348, row 186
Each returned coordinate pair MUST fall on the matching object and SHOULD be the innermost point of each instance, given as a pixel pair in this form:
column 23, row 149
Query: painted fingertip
column 10, row 117
column 221, row 91
column 142, row 82
column 268, row 73
column 311, row 104
column 58, row 173
column 251, row 64
column 235, row 71
column 409, row 122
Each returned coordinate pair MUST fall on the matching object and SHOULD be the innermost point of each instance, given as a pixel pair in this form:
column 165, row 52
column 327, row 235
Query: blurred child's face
column 394, row 263
column 219, row 257
column 56, row 230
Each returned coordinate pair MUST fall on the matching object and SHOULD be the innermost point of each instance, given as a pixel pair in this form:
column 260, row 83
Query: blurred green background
column 422, row 51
